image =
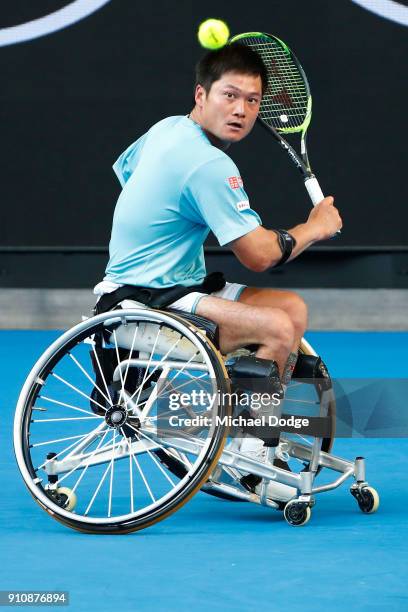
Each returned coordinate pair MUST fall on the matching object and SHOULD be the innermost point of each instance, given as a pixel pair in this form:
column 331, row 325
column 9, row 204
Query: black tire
column 297, row 513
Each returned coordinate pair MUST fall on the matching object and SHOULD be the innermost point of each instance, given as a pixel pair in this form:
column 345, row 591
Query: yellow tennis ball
column 213, row 34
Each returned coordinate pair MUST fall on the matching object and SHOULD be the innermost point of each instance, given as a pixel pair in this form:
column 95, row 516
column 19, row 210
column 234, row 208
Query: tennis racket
column 286, row 106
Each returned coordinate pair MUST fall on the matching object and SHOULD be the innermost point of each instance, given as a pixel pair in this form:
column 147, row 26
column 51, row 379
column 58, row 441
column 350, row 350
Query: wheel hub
column 116, row 416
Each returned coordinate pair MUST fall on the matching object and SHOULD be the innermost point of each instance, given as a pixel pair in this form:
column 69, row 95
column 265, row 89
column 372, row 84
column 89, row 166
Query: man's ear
column 199, row 95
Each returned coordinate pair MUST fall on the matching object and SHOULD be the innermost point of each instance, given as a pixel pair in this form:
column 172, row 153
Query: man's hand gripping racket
column 286, row 106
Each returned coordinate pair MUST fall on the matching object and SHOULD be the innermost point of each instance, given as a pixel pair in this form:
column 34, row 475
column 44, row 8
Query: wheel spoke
column 153, row 458
column 88, row 397
column 188, row 382
column 144, row 478
column 80, row 463
column 53, row 401
column 122, row 383
column 152, row 397
column 163, row 448
column 101, row 481
column 101, row 371
column 139, row 389
column 64, row 450
column 157, row 365
column 146, row 379
column 129, row 358
column 66, row 419
column 111, row 473
column 80, row 436
column 131, row 479
column 182, row 369
column 88, row 377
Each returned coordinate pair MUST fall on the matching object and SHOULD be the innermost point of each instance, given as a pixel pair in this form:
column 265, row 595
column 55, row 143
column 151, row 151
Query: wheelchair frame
column 191, row 459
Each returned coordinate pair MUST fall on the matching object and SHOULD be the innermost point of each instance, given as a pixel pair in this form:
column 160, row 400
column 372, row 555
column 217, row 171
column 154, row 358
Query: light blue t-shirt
column 176, row 188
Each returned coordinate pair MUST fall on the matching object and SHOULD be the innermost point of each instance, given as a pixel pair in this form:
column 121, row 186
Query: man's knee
column 279, row 326
column 297, row 310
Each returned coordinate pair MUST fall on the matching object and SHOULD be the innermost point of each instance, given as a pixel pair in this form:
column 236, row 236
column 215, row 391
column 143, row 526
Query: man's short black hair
column 231, row 58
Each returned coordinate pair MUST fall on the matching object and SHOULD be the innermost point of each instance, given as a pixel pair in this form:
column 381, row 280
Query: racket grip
column 313, row 189
column 316, row 194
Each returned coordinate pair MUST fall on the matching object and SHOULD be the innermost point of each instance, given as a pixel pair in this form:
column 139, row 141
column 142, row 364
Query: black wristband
column 286, row 244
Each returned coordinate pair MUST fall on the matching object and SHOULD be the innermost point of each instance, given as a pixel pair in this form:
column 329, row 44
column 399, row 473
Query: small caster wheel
column 367, row 499
column 297, row 513
column 64, row 497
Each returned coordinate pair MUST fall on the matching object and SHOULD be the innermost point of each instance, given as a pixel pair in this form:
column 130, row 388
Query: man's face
column 228, row 112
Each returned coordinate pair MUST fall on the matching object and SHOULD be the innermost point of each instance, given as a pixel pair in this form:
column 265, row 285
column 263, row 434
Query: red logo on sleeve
column 235, row 182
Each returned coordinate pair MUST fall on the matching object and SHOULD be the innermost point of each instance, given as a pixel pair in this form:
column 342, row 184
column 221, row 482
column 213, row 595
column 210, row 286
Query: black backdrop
column 71, row 101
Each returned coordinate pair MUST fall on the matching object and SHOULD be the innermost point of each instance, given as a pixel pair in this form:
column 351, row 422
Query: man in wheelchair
column 178, row 185
column 115, row 466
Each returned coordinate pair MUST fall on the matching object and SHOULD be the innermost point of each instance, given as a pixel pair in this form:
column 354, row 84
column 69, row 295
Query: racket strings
column 285, row 102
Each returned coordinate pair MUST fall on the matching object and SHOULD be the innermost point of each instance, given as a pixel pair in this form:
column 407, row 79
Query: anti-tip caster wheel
column 367, row 498
column 64, row 497
column 297, row 513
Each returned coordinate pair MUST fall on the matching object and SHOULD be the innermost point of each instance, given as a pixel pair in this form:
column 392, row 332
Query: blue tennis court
column 138, row 142
column 218, row 554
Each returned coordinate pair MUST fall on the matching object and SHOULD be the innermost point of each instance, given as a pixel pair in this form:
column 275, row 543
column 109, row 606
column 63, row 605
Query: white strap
column 105, row 286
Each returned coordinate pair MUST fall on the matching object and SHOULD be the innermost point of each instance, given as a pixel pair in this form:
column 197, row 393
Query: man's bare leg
column 268, row 327
column 241, row 324
column 293, row 305
column 275, row 320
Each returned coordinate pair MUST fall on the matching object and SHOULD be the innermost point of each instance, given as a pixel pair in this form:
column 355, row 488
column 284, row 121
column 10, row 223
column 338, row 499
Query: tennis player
column 179, row 184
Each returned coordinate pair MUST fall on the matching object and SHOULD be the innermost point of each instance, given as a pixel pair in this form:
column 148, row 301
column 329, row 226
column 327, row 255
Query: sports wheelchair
column 94, row 436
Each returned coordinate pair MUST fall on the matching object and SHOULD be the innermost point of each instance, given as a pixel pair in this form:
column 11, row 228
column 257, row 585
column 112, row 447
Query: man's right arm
column 259, row 249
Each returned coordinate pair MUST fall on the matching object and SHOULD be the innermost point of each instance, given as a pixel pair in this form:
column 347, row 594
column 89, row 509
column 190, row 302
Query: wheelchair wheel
column 301, row 398
column 91, row 442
